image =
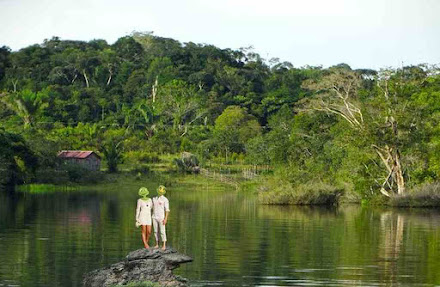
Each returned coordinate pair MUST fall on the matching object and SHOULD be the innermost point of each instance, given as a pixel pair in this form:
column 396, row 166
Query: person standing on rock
column 143, row 214
column 161, row 208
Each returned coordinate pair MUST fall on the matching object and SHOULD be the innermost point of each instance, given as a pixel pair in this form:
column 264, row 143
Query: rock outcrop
column 141, row 265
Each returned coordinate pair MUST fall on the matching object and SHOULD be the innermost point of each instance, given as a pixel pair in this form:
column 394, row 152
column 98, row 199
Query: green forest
column 370, row 135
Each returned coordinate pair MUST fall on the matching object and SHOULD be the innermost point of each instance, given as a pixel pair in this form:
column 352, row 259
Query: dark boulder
column 141, row 265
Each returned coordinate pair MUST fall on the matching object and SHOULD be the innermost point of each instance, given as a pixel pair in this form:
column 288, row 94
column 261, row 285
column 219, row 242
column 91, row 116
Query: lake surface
column 52, row 239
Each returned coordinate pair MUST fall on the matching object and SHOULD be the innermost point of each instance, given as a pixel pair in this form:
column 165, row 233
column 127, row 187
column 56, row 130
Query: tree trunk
column 85, row 77
column 27, row 121
column 14, row 84
column 398, row 174
column 109, row 79
column 391, row 159
column 74, row 78
column 154, row 89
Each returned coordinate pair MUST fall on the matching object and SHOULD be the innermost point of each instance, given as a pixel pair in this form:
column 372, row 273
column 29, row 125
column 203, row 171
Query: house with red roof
column 87, row 159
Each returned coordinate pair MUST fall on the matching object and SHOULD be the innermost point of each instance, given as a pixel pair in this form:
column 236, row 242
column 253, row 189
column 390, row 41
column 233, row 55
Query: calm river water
column 52, row 239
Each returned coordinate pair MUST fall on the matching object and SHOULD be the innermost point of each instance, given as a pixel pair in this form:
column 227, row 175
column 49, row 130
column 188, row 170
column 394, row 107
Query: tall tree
column 379, row 116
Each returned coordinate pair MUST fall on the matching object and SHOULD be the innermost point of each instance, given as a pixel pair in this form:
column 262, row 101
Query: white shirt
column 160, row 205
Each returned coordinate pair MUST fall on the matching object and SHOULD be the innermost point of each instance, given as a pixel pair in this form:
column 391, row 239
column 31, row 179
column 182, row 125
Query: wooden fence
column 225, row 175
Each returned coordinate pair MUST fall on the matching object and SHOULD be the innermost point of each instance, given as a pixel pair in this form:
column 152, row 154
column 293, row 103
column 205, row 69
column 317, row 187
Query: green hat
column 143, row 192
column 161, row 190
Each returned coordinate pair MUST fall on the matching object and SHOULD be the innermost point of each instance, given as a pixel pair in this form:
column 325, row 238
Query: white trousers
column 158, row 226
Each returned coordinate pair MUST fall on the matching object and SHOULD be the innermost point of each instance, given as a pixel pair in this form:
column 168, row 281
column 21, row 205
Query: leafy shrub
column 186, row 144
column 50, row 175
column 134, row 157
column 141, row 169
column 79, row 174
column 187, row 162
column 165, row 141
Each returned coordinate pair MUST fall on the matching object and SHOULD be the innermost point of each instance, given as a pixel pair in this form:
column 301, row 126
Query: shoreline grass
column 425, row 196
column 45, row 188
column 304, row 194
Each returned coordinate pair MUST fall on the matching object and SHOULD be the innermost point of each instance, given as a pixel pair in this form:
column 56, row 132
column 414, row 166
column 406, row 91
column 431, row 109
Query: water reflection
column 52, row 239
column 392, row 227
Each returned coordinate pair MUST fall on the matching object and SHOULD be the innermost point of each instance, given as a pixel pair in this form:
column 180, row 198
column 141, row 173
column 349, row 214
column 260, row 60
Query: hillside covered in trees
column 374, row 133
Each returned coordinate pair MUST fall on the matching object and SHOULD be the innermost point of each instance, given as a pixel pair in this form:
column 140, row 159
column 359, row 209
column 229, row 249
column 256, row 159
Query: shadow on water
column 51, row 239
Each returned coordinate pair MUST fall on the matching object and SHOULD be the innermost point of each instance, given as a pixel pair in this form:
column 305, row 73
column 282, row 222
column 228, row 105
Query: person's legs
column 144, row 235
column 163, row 234
column 156, row 232
column 148, row 234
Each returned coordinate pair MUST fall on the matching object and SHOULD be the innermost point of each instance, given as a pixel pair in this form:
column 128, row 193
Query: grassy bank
column 126, row 181
column 427, row 195
column 75, row 177
column 273, row 191
column 277, row 193
column 45, row 188
column 269, row 188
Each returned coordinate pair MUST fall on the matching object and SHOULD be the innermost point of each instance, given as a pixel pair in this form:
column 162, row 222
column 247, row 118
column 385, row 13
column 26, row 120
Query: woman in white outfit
column 160, row 216
column 143, row 214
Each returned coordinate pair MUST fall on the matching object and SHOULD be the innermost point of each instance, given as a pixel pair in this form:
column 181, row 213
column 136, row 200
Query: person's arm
column 167, row 210
column 138, row 210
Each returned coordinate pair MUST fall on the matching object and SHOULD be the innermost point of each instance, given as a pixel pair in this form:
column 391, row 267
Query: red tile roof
column 76, row 154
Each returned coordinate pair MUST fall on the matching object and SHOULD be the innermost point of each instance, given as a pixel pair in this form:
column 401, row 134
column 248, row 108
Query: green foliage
column 257, row 149
column 187, row 162
column 4, row 60
column 179, row 104
column 112, row 151
column 233, row 129
column 141, row 157
column 26, row 104
column 147, row 94
column 17, row 161
column 43, row 148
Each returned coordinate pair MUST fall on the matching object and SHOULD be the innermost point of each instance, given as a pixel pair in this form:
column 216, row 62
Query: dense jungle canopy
column 371, row 132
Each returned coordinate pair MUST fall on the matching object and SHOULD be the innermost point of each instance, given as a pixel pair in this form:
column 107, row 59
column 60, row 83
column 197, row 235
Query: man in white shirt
column 161, row 208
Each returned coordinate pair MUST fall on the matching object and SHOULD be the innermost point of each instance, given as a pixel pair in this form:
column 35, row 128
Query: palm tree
column 26, row 104
column 112, row 151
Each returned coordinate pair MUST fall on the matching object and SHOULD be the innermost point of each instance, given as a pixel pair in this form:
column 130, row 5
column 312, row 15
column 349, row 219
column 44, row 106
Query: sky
column 362, row 33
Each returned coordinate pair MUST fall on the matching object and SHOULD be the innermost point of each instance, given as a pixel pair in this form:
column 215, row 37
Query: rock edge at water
column 140, row 265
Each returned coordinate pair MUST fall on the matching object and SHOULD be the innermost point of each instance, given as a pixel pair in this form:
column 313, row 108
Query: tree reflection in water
column 392, row 228
column 52, row 239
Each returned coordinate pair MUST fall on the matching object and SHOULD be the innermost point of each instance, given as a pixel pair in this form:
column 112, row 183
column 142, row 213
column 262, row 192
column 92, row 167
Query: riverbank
column 156, row 170
column 272, row 192
column 260, row 182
